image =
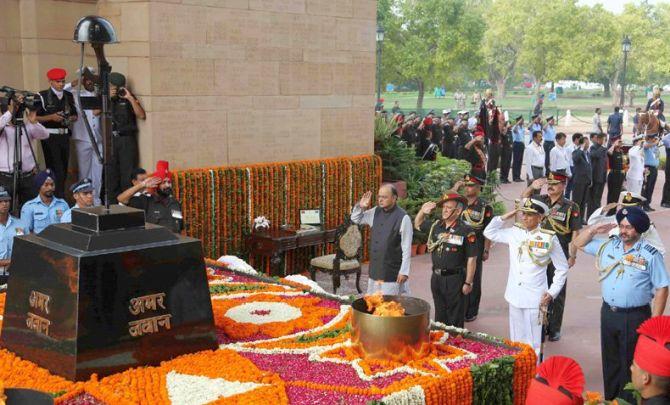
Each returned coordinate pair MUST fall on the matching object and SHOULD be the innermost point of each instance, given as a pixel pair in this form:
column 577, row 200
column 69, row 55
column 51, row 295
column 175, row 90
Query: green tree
column 430, row 42
column 547, row 43
column 506, row 23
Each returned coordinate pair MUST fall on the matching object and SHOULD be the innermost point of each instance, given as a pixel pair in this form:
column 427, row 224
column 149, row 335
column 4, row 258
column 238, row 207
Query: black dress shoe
column 518, row 181
column 648, row 208
column 505, row 181
column 555, row 337
column 470, row 318
column 665, row 205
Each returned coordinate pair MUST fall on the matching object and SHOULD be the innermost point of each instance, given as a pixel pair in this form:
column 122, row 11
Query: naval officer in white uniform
column 531, row 249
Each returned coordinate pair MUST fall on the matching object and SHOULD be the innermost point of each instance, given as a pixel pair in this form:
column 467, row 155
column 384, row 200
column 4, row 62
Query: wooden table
column 275, row 243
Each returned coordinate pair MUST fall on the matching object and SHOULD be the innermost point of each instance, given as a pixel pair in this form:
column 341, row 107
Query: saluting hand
column 428, row 207
column 537, row 184
column 365, row 200
column 609, row 206
column 602, row 228
column 152, row 182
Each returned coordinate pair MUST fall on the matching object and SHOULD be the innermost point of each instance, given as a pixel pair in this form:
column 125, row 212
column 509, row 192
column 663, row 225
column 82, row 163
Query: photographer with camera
column 57, row 112
column 126, row 109
column 18, row 114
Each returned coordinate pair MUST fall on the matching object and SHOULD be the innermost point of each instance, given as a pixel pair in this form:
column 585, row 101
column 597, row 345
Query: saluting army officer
column 453, row 246
column 565, row 220
column 631, row 274
column 531, row 249
column 477, row 215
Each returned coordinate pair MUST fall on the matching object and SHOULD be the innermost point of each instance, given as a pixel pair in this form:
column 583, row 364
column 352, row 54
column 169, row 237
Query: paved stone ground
column 581, row 333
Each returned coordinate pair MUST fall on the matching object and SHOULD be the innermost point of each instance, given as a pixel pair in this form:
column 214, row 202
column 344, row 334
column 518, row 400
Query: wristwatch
column 468, row 284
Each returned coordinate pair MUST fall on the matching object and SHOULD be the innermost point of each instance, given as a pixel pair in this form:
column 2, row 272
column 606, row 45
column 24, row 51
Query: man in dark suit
column 582, row 174
column 598, row 155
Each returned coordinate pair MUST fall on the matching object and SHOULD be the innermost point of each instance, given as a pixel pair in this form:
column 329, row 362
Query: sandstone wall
column 223, row 81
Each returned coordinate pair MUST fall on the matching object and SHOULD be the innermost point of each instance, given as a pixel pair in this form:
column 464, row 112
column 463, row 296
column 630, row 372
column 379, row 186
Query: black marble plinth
column 82, row 300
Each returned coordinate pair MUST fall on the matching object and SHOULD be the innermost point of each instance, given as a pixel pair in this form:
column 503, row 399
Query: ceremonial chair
column 346, row 259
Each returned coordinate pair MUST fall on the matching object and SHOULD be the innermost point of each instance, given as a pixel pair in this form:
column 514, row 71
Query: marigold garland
column 148, row 385
column 215, row 200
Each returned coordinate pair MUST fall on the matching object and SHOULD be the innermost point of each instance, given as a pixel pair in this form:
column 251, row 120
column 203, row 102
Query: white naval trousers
column 525, row 327
column 387, row 288
column 634, row 185
column 89, row 166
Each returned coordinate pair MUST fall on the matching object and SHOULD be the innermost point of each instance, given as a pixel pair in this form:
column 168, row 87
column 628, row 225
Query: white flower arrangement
column 411, row 396
column 237, row 264
column 261, row 223
column 313, row 286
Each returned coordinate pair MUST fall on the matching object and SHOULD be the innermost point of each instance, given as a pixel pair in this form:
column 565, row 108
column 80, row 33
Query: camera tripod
column 19, row 131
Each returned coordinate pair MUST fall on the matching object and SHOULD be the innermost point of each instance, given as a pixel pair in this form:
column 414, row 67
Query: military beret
column 56, row 74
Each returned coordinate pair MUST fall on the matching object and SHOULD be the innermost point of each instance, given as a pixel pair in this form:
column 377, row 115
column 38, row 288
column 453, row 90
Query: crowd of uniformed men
column 543, row 245
column 57, row 122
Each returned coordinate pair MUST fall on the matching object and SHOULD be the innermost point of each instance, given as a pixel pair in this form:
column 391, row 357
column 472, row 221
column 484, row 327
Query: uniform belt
column 616, row 170
column 624, row 310
column 11, row 174
column 448, row 272
column 58, row 131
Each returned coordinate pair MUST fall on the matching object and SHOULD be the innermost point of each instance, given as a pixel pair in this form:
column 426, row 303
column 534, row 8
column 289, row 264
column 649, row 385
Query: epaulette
column 549, row 231
column 649, row 248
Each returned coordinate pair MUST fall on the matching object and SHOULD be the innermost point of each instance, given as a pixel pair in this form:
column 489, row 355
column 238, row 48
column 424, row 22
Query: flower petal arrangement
column 287, row 342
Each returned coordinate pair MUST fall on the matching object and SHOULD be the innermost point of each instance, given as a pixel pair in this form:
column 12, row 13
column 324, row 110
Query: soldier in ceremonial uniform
column 57, row 112
column 631, row 274
column 617, row 160
column 531, row 249
column 45, row 209
column 159, row 206
column 626, row 199
column 82, row 191
column 650, row 371
column 475, row 153
column 477, row 215
column 454, row 254
column 565, row 220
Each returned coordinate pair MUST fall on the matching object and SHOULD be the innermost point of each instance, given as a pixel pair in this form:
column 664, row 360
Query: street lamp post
column 380, row 39
column 626, row 48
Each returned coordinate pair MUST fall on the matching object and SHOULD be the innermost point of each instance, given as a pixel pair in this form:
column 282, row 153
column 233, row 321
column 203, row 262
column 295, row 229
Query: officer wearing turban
column 46, row 208
column 631, row 274
column 651, row 362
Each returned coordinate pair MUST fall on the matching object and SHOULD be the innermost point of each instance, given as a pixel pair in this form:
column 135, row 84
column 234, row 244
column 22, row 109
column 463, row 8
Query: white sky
column 615, row 6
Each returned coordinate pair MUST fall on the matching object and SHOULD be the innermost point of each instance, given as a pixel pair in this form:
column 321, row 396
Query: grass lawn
column 580, row 103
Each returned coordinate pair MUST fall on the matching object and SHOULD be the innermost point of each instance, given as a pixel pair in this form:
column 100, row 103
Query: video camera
column 22, row 98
